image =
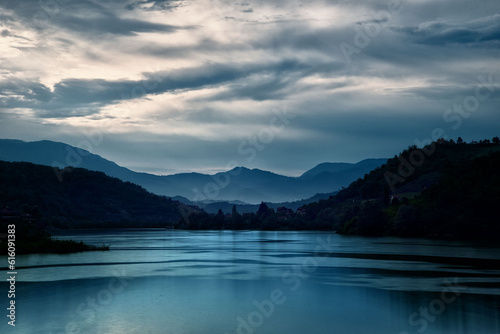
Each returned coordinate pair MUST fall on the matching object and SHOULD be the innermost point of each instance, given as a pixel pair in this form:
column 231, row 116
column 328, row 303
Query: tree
column 387, row 196
column 406, row 220
column 263, row 211
column 371, row 219
column 496, row 140
column 371, row 189
column 234, row 212
column 324, row 220
column 460, row 140
column 218, row 221
column 236, row 221
column 269, row 224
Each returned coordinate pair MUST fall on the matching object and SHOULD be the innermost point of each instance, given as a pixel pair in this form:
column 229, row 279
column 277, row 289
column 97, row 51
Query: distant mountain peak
column 238, row 184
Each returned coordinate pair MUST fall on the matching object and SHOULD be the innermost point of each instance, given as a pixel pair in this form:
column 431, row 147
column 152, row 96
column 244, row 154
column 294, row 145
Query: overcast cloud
column 179, row 85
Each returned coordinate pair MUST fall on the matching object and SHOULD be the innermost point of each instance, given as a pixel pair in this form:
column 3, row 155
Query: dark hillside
column 446, row 189
column 83, row 199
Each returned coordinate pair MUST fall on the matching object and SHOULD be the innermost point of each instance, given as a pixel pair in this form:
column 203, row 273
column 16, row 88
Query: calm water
column 182, row 282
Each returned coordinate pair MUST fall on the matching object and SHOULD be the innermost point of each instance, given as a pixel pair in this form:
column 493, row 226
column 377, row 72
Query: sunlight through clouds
column 213, row 70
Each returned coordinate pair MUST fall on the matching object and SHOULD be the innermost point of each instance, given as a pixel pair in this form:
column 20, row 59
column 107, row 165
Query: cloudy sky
column 201, row 85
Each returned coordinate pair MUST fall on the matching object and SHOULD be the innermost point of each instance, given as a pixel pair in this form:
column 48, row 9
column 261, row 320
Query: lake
column 186, row 282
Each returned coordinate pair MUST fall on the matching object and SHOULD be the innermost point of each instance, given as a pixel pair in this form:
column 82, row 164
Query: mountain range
column 239, row 184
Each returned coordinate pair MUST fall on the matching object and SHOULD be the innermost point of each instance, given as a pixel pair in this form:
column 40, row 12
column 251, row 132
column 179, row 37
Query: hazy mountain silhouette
column 227, row 206
column 242, row 184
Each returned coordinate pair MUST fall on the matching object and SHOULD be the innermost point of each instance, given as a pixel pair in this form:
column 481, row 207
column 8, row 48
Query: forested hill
column 83, row 199
column 447, row 189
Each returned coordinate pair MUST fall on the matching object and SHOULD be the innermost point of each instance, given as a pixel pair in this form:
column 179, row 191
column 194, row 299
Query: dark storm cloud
column 253, row 56
column 110, row 24
column 269, row 88
column 204, row 45
column 151, row 5
column 276, row 83
column 7, row 33
column 442, row 33
column 300, row 37
column 82, row 17
column 90, row 95
column 17, row 93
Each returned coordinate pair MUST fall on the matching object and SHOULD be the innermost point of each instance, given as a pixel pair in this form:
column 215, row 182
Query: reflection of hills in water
column 387, row 263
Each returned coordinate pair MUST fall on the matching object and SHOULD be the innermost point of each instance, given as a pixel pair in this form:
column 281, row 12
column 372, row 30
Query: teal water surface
column 180, row 282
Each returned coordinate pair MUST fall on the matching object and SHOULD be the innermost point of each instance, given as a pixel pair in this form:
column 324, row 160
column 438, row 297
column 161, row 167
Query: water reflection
column 163, row 281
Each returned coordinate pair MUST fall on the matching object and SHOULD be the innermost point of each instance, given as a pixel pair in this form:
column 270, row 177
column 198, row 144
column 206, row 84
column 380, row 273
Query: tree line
column 452, row 194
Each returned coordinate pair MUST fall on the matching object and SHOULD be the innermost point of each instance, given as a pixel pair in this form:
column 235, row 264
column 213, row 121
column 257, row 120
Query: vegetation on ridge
column 446, row 189
column 83, row 199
